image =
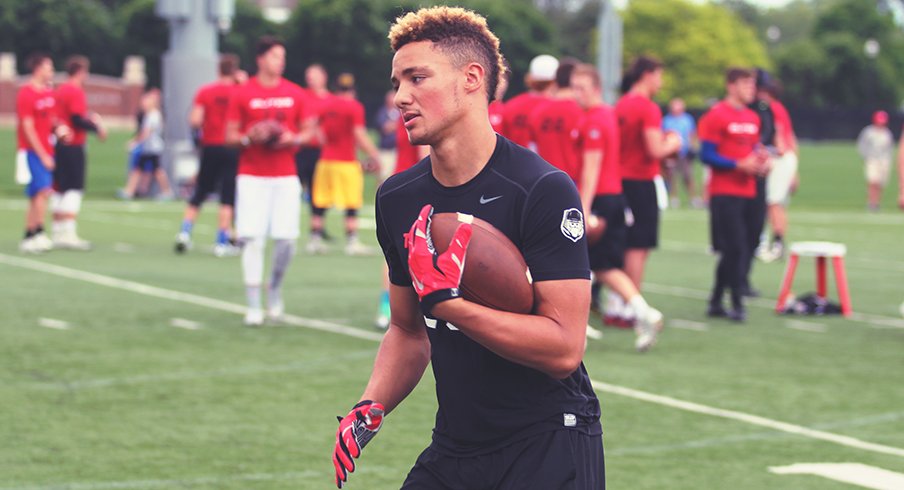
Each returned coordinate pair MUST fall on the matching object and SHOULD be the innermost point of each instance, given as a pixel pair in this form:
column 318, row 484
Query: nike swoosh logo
column 484, row 200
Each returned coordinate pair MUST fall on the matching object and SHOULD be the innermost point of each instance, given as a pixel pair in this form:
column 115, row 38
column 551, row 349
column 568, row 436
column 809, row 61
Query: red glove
column 355, row 431
column 435, row 277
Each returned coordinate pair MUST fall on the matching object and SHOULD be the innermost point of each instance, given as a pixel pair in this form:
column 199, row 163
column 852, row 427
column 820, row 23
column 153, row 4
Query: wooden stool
column 822, row 251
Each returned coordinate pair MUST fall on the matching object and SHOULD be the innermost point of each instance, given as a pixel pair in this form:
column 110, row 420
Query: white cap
column 543, row 68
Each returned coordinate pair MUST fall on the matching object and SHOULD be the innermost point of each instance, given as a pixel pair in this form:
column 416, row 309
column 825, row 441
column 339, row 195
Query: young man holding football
column 516, row 408
column 266, row 120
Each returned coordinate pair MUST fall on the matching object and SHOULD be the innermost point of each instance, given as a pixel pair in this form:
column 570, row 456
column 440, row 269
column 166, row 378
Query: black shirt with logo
column 485, row 401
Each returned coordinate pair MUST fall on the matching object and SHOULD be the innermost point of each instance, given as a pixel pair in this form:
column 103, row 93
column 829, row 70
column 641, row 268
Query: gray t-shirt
column 153, row 125
column 875, row 143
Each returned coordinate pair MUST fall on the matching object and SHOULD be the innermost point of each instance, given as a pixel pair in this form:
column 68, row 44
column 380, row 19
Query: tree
column 696, row 50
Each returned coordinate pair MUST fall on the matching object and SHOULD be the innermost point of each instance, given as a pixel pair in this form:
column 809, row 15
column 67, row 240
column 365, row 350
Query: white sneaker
column 71, row 241
column 254, row 317
column 226, row 250
column 382, row 322
column 183, row 243
column 647, row 328
column 355, row 247
column 316, row 246
column 43, row 242
column 275, row 307
column 30, row 246
column 593, row 333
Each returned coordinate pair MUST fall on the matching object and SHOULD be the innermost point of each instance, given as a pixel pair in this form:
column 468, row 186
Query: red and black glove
column 355, row 431
column 436, row 278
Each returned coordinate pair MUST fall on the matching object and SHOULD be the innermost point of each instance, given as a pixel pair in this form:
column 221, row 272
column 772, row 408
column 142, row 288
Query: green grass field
column 122, row 399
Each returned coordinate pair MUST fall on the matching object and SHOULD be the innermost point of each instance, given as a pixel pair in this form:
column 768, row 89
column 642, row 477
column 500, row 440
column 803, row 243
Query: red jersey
column 552, row 124
column 406, row 153
column 314, row 108
column 636, row 114
column 515, row 116
column 496, row 108
column 251, row 103
column 71, row 101
column 782, row 117
column 736, row 133
column 214, row 99
column 40, row 105
column 338, row 120
column 598, row 130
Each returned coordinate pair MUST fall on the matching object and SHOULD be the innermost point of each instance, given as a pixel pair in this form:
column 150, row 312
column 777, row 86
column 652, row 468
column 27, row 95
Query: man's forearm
column 401, row 360
column 31, row 135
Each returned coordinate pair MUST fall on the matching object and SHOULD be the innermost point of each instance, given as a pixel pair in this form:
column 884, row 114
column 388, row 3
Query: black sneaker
column 750, row 292
column 716, row 310
column 737, row 315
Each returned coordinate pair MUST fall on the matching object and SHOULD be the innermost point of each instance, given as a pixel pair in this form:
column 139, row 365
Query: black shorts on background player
column 219, row 165
column 305, row 163
column 609, row 252
column 69, row 173
column 487, row 403
column 640, row 196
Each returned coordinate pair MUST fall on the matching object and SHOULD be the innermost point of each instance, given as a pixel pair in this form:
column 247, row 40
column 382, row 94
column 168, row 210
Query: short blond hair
column 461, row 34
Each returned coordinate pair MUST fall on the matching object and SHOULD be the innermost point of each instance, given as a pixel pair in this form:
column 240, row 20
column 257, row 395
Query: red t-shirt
column 598, row 130
column 406, row 153
column 39, row 104
column 636, row 114
column 251, row 103
column 496, row 108
column 736, row 133
column 551, row 125
column 338, row 119
column 214, row 99
column 71, row 101
column 782, row 117
column 313, row 109
column 515, row 117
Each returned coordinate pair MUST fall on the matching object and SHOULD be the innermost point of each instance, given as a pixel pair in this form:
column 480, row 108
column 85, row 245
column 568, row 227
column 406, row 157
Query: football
column 594, row 229
column 495, row 273
column 266, row 132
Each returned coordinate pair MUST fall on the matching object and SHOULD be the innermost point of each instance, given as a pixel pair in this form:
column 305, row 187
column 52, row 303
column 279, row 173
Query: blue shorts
column 134, row 156
column 41, row 177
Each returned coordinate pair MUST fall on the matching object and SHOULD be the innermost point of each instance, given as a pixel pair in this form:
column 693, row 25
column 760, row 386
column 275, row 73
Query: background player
column 876, row 144
column 516, row 409
column 497, row 107
column 338, row 177
column 730, row 135
column 69, row 174
column 681, row 123
column 540, row 81
column 218, row 162
column 266, row 120
column 37, row 119
column 386, row 120
column 643, row 145
column 597, row 141
column 552, row 122
column 316, row 78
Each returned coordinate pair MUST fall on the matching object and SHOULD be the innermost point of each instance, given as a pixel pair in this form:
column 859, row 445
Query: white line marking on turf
column 748, row 418
column 172, row 483
column 806, row 326
column 53, row 323
column 123, row 248
column 687, row 325
column 186, row 324
column 216, row 304
column 858, row 474
column 353, row 332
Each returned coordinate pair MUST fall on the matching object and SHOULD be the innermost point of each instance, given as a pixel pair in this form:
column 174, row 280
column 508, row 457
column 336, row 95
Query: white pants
column 267, row 206
column 877, row 170
column 778, row 183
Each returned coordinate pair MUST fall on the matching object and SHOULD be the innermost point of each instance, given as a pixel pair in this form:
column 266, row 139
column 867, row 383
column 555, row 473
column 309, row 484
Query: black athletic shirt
column 485, row 401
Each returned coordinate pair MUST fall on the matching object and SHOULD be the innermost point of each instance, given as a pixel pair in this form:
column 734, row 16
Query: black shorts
column 305, row 162
column 148, row 162
column 69, row 174
column 557, row 459
column 219, row 165
column 609, row 252
column 641, row 199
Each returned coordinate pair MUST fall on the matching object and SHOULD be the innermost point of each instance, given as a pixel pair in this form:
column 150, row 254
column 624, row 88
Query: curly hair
column 461, row 34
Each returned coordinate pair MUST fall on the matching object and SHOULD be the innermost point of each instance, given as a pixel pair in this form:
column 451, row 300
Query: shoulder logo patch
column 573, row 224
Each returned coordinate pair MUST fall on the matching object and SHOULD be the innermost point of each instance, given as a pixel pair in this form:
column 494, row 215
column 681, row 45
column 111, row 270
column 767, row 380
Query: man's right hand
column 753, row 164
column 48, row 162
column 355, row 430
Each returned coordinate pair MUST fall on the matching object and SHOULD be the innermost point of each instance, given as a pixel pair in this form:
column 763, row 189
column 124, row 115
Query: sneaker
column 275, row 308
column 71, row 241
column 750, row 292
column 226, row 250
column 316, row 246
column 648, row 327
column 674, row 203
column 593, row 333
column 697, row 203
column 125, row 196
column 778, row 250
column 30, row 246
column 716, row 310
column 254, row 317
column 43, row 242
column 355, row 247
column 382, row 322
column 183, row 243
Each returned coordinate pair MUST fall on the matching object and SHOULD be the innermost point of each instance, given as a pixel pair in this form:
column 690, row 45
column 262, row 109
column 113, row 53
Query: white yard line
column 173, row 483
column 185, row 324
column 353, row 332
column 862, row 475
column 687, row 325
column 53, row 323
column 806, row 326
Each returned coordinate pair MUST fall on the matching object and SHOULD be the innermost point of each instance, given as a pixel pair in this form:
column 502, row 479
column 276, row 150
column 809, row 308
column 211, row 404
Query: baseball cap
column 543, row 68
column 880, row 117
column 345, row 81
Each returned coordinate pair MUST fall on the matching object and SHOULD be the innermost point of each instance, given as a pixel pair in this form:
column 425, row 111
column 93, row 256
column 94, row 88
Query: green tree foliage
column 697, row 43
column 59, row 28
column 831, row 68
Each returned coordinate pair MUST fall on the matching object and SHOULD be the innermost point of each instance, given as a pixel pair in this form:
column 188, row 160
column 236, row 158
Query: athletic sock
column 384, row 303
column 29, row 233
column 187, row 227
column 283, row 250
column 39, row 229
column 351, row 236
column 253, row 293
column 639, row 305
column 222, row 235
